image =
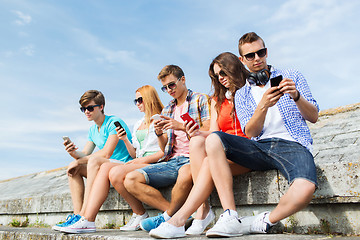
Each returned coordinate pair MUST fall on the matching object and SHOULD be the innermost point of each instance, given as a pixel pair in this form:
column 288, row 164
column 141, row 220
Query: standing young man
column 86, row 164
column 143, row 183
column 275, row 119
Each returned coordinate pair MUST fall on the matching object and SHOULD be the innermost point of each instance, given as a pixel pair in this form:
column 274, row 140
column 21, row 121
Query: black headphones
column 259, row 78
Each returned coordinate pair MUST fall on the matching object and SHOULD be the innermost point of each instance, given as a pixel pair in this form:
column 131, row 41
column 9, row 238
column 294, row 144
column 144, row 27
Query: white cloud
column 28, row 50
column 23, row 19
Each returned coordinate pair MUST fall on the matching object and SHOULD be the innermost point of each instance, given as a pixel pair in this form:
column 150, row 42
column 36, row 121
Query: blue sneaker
column 70, row 219
column 151, row 222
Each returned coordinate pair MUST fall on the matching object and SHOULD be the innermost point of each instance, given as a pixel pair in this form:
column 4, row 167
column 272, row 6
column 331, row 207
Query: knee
column 197, row 142
column 304, row 190
column 94, row 162
column 116, row 176
column 213, row 143
column 132, row 179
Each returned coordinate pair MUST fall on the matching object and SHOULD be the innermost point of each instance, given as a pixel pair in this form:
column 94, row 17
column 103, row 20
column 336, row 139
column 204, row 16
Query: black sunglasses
column 251, row 56
column 138, row 100
column 89, row 108
column 170, row 86
column 221, row 73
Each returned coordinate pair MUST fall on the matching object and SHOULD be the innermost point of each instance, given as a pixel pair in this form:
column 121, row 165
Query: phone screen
column 274, row 82
column 117, row 124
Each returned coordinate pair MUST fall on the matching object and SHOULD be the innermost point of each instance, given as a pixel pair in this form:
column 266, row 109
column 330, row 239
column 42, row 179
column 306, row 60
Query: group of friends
column 246, row 125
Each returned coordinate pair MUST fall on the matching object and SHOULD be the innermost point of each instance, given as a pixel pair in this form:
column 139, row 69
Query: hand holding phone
column 156, row 117
column 117, row 124
column 274, row 82
column 186, row 117
column 66, row 140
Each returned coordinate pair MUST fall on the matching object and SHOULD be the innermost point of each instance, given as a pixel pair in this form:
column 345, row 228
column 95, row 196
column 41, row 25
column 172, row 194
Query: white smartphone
column 66, row 139
column 157, row 117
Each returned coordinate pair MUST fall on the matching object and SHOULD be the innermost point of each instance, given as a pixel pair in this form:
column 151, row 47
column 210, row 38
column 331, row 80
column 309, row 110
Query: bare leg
column 117, row 176
column 197, row 156
column 135, row 184
column 296, row 198
column 181, row 190
column 220, row 171
column 99, row 191
column 200, row 192
column 76, row 184
column 93, row 167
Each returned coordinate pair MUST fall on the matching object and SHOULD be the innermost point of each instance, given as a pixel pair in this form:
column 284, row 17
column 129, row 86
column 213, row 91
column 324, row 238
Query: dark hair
column 235, row 71
column 170, row 69
column 249, row 38
column 90, row 95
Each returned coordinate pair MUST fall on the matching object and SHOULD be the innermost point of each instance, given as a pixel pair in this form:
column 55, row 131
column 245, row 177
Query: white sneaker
column 81, row 226
column 259, row 225
column 228, row 226
column 134, row 222
column 166, row 230
column 198, row 226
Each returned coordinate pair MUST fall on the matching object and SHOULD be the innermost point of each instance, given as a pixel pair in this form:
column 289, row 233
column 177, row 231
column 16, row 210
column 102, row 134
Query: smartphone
column 186, row 117
column 274, row 82
column 156, row 117
column 117, row 124
column 66, row 139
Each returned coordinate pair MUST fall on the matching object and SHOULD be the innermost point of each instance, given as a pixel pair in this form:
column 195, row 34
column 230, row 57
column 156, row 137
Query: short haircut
column 170, row 69
column 90, row 95
column 249, row 38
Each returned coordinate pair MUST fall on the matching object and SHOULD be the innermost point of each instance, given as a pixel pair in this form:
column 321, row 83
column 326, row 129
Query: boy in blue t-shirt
column 87, row 163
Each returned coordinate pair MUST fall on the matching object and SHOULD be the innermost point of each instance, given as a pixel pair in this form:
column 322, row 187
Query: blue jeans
column 291, row 158
column 164, row 173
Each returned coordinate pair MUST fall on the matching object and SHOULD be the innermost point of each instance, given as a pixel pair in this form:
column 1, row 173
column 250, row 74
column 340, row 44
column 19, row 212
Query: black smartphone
column 274, row 82
column 117, row 124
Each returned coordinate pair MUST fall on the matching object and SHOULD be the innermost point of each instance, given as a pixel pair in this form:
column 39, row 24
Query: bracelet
column 158, row 135
column 297, row 98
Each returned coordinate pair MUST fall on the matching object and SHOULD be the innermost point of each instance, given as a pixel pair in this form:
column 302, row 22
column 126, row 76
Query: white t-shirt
column 274, row 125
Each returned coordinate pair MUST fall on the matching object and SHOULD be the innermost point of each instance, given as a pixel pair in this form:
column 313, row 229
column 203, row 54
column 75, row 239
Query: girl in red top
column 227, row 75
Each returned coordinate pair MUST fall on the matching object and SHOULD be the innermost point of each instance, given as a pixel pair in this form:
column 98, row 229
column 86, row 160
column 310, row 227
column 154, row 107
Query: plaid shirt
column 294, row 122
column 198, row 109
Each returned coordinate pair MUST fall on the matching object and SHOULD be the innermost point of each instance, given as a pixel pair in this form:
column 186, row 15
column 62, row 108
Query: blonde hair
column 151, row 102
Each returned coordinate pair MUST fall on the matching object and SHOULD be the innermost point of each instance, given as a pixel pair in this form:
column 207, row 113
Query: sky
column 51, row 52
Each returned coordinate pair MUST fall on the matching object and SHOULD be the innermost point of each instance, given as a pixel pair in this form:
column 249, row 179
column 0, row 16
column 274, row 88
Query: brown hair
column 236, row 73
column 90, row 95
column 151, row 102
column 249, row 38
column 170, row 69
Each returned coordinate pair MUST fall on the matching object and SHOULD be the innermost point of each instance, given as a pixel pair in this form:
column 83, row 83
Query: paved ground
column 114, row 234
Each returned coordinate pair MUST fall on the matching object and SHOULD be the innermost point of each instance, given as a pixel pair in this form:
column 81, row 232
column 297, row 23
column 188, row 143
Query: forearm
column 307, row 110
column 256, row 123
column 152, row 158
column 130, row 148
column 162, row 140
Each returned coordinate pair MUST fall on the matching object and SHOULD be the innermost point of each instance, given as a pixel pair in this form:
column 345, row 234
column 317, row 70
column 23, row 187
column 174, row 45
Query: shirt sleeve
column 204, row 107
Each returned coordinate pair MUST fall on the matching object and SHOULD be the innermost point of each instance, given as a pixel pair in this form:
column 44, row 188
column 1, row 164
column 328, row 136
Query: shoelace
column 159, row 220
column 74, row 219
column 260, row 225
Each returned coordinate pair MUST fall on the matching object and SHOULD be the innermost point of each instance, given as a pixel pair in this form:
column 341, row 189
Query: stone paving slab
column 114, row 234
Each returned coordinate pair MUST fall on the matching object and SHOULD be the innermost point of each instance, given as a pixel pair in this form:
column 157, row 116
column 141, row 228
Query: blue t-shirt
column 99, row 137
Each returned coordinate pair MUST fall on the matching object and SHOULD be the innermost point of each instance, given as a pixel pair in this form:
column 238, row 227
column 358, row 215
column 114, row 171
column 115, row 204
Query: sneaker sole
column 78, row 230
column 162, row 237
column 130, row 229
column 222, row 234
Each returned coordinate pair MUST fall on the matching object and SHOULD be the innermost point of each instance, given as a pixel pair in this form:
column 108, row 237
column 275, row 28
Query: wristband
column 297, row 98
column 158, row 135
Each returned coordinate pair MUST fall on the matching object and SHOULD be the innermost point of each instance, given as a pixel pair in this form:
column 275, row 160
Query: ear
column 242, row 60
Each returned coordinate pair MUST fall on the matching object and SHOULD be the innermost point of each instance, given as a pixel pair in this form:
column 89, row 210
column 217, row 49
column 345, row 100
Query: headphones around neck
column 259, row 78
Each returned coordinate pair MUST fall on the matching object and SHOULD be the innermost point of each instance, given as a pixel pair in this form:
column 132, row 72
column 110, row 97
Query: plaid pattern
column 198, row 109
column 294, row 122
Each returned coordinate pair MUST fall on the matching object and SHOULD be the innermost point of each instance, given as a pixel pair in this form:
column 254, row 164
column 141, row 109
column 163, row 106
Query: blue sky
column 53, row 51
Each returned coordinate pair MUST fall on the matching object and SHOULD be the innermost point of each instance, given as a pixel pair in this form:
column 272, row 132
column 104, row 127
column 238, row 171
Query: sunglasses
column 251, row 56
column 89, row 108
column 170, row 86
column 138, row 100
column 221, row 73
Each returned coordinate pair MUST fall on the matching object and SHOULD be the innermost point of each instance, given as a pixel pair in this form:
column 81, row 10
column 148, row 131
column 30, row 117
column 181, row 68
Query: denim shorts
column 163, row 174
column 291, row 158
